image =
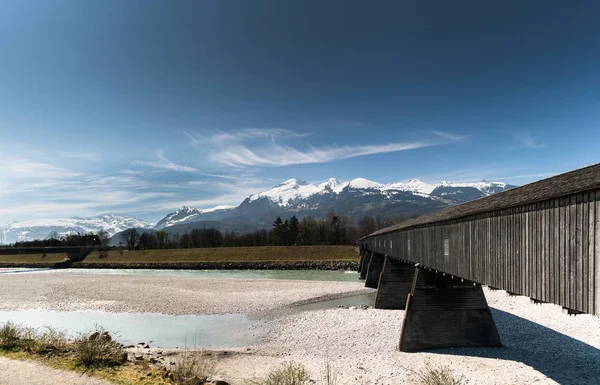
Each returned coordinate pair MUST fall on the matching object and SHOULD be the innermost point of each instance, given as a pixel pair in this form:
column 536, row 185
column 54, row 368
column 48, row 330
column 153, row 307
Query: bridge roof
column 583, row 179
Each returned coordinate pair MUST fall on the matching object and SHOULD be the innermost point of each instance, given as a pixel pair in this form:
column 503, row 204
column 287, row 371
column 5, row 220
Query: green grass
column 33, row 258
column 229, row 254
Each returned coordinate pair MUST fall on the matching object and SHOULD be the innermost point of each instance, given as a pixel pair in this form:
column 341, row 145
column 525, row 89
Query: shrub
column 29, row 339
column 98, row 349
column 10, row 335
column 192, row 368
column 438, row 376
column 289, row 373
column 51, row 340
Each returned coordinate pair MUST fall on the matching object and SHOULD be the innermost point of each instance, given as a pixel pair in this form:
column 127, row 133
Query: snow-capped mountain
column 292, row 190
column 355, row 198
column 42, row 228
column 187, row 214
column 464, row 192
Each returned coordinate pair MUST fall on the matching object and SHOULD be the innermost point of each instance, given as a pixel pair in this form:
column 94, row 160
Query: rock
column 352, row 308
column 129, row 346
column 221, row 382
column 105, row 336
column 138, row 357
column 146, row 346
column 153, row 360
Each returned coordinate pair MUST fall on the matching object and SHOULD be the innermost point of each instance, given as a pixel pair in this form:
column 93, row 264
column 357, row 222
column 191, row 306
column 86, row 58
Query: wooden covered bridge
column 541, row 240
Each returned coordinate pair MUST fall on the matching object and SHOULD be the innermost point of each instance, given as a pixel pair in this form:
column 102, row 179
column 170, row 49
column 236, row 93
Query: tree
column 292, row 230
column 307, row 231
column 147, row 241
column 278, row 231
column 161, row 239
column 103, row 238
column 366, row 225
column 131, row 238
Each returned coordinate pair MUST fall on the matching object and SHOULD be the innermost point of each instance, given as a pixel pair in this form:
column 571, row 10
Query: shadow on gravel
column 557, row 356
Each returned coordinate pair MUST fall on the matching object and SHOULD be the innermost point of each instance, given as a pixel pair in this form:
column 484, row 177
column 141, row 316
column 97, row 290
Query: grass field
column 229, row 254
column 33, row 258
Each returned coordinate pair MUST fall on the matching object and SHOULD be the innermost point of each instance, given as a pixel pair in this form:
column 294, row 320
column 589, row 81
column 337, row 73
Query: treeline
column 331, row 230
column 99, row 240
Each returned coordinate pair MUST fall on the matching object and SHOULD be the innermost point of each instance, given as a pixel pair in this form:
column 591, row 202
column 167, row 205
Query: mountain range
column 292, row 197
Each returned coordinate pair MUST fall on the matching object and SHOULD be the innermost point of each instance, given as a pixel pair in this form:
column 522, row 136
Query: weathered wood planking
column 546, row 250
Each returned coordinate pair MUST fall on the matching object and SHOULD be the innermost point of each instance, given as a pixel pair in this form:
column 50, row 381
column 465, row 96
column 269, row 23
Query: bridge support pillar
column 374, row 270
column 394, row 285
column 365, row 264
column 362, row 259
column 443, row 312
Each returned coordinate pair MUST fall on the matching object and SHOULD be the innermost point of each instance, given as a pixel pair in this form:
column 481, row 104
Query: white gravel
column 158, row 294
column 541, row 345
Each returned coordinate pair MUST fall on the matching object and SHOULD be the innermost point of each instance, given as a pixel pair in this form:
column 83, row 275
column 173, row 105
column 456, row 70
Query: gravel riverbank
column 159, row 294
column 542, row 345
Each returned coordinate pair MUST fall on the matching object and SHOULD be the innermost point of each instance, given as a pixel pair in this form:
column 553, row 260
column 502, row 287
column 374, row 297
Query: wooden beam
column 395, row 283
column 374, row 270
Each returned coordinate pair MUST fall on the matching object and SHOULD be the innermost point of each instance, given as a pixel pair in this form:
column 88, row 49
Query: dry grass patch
column 33, row 258
column 289, row 373
column 229, row 254
column 192, row 368
column 438, row 376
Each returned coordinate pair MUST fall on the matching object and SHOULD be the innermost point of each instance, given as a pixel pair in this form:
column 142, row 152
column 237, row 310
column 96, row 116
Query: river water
column 311, row 275
column 170, row 331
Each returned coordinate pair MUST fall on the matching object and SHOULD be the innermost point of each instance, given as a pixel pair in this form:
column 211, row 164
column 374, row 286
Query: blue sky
column 136, row 108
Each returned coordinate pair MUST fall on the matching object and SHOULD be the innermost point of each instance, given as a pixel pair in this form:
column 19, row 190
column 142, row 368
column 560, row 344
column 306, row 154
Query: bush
column 51, row 340
column 289, row 373
column 438, row 376
column 98, row 349
column 10, row 335
column 192, row 368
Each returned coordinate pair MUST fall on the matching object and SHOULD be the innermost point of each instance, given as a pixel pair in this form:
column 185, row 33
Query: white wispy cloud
column 278, row 155
column 79, row 155
column 529, row 142
column 19, row 168
column 221, row 137
column 449, row 136
column 164, row 164
column 238, row 148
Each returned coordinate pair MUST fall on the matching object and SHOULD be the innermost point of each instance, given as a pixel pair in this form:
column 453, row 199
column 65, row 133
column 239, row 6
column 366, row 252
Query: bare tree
column 104, row 238
column 131, row 238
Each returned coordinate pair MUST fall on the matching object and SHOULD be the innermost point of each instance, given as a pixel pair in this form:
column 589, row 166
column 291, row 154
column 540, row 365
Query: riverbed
column 273, row 320
column 207, row 309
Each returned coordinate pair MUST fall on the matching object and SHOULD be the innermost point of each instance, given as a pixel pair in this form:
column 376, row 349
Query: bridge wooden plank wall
column 547, row 250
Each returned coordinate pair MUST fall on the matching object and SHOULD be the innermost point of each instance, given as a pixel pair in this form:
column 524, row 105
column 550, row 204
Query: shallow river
column 169, row 331
column 311, row 275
